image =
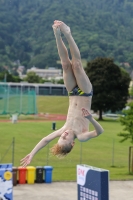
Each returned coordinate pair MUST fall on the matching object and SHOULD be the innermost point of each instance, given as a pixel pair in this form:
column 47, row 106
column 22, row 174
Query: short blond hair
column 61, row 151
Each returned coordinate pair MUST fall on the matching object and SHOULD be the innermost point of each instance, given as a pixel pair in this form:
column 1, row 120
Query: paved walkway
column 119, row 190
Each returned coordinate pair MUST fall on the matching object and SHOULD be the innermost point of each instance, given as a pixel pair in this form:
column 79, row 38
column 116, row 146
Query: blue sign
column 92, row 183
column 6, row 186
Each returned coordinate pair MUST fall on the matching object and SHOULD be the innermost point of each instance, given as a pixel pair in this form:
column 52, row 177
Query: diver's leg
column 68, row 75
column 81, row 78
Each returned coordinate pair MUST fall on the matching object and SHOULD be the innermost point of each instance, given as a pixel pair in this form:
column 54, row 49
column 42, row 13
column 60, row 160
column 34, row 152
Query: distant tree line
column 100, row 28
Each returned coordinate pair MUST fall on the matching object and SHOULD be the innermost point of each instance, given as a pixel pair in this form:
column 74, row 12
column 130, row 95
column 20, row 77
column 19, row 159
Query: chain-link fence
column 111, row 158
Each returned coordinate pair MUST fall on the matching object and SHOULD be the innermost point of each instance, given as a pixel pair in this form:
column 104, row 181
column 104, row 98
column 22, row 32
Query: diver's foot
column 63, row 27
column 56, row 30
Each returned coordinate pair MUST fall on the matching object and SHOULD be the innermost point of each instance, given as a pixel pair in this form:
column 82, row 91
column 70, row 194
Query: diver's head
column 64, row 144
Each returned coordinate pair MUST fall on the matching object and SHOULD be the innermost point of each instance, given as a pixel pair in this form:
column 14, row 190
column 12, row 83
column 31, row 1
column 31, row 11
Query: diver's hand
column 86, row 113
column 26, row 160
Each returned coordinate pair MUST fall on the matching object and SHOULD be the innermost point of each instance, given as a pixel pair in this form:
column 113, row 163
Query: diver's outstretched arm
column 96, row 125
column 26, row 160
column 98, row 128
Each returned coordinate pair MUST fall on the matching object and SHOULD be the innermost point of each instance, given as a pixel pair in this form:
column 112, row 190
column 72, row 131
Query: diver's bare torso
column 75, row 120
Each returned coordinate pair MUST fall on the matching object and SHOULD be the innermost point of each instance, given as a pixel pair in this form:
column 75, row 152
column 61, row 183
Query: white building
column 47, row 73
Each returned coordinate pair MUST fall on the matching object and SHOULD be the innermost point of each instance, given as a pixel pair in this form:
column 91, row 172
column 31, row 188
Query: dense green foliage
column 32, row 78
column 110, row 85
column 100, row 28
column 5, row 76
column 127, row 122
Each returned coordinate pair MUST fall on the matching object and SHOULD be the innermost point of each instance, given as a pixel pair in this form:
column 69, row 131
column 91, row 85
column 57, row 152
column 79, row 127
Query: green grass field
column 98, row 152
column 50, row 104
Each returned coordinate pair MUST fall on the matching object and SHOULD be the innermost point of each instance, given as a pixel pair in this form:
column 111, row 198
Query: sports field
column 103, row 151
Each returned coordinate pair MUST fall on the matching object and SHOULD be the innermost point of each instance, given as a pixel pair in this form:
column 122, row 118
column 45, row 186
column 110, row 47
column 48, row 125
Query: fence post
column 113, row 150
column 80, row 152
column 13, row 147
column 129, row 159
column 47, row 159
column 2, row 157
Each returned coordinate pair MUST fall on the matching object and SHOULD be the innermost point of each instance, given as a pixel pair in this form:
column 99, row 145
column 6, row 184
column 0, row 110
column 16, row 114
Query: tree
column 110, row 85
column 61, row 81
column 32, row 78
column 127, row 121
column 8, row 77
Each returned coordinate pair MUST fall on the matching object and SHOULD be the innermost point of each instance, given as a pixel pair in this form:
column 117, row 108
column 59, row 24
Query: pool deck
column 119, row 190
